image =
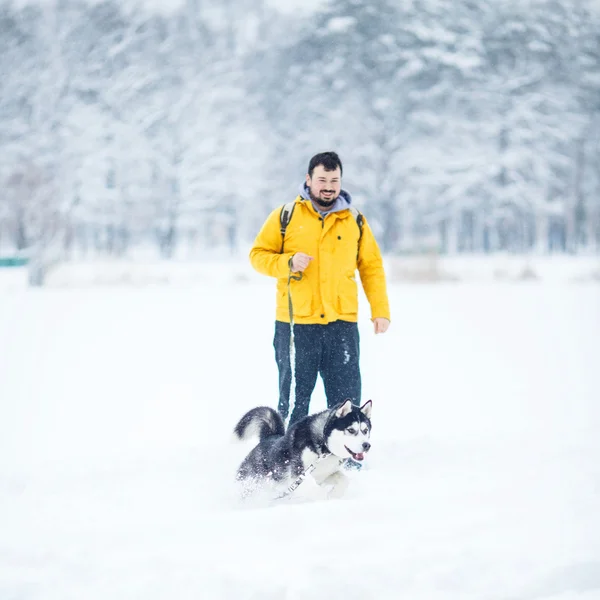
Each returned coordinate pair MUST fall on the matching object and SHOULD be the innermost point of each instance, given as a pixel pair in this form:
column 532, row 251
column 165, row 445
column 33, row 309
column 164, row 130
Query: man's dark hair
column 330, row 161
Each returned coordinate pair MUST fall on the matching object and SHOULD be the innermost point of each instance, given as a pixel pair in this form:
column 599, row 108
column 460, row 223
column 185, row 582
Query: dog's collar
column 327, row 454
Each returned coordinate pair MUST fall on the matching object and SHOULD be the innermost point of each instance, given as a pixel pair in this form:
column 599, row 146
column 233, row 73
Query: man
column 314, row 260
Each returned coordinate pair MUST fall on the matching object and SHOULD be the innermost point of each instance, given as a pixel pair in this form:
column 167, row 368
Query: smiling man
column 313, row 247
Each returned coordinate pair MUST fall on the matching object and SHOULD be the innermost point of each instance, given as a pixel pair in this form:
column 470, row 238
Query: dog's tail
column 259, row 422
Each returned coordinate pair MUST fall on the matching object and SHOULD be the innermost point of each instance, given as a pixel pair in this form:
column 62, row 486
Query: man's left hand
column 381, row 324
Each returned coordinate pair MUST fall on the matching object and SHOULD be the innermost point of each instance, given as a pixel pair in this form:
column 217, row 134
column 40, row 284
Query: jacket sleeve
column 265, row 254
column 372, row 275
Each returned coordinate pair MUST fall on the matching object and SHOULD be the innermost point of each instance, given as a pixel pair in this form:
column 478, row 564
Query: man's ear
column 308, row 180
column 344, row 409
column 365, row 409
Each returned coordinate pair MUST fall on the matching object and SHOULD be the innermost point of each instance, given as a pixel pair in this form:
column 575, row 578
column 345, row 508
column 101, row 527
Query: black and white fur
column 324, row 440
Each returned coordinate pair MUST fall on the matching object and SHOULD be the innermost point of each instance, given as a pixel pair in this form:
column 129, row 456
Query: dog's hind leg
column 247, row 488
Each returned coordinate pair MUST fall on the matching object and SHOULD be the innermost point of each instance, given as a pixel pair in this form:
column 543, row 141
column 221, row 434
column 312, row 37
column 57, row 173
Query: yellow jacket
column 327, row 290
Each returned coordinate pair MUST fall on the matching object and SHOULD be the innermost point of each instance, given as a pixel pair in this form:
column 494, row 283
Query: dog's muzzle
column 359, row 455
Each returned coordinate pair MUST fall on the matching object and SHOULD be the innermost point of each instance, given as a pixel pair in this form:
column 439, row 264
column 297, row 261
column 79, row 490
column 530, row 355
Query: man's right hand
column 300, row 261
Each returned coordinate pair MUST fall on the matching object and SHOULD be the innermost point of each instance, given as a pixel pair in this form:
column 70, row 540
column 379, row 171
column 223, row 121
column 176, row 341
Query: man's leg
column 307, row 348
column 340, row 368
column 340, row 365
column 308, row 342
column 281, row 343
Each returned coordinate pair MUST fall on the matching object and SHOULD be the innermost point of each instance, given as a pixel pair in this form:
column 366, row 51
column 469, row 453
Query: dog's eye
column 351, row 431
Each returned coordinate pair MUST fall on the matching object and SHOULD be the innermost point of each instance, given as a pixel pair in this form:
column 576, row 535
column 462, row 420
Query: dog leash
column 292, row 398
column 298, row 481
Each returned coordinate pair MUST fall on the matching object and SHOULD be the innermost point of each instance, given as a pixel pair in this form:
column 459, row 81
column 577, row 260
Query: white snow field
column 116, row 458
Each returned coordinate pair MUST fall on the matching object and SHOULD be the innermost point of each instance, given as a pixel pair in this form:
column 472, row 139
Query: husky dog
column 317, row 444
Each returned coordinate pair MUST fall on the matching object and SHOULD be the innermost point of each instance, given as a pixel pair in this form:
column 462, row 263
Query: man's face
column 325, row 186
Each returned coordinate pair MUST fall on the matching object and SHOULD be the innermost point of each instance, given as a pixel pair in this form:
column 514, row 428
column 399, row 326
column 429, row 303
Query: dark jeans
column 330, row 350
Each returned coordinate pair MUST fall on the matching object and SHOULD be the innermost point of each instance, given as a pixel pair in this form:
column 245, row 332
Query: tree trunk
column 389, row 220
column 576, row 221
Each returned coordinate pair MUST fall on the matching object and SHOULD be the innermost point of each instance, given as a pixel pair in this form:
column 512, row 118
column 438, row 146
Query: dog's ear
column 365, row 409
column 344, row 409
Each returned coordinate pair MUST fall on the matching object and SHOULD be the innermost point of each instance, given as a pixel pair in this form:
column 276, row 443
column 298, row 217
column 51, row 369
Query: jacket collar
column 342, row 202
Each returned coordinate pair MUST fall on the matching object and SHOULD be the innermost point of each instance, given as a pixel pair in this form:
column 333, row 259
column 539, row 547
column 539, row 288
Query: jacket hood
column 342, row 202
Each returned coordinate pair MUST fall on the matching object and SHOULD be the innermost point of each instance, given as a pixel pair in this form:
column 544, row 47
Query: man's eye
column 351, row 430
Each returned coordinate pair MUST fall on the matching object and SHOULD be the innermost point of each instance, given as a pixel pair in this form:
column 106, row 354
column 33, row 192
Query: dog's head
column 348, row 430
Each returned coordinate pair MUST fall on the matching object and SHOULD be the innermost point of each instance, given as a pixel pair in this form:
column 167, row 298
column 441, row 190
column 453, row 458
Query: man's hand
column 300, row 261
column 380, row 324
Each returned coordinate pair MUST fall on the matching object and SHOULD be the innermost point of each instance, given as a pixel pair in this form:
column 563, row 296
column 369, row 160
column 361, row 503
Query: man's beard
column 320, row 201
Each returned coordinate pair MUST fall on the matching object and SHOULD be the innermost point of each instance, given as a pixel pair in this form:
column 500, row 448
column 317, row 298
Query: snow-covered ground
column 116, row 461
column 144, row 270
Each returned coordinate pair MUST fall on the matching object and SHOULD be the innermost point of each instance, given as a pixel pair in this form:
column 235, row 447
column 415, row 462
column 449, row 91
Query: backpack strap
column 358, row 216
column 287, row 210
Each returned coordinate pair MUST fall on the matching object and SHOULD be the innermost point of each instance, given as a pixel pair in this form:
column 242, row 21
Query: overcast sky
column 168, row 6
column 285, row 6
column 294, row 5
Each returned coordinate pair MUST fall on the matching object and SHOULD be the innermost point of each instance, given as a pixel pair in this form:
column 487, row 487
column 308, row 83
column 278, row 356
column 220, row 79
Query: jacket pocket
column 301, row 298
column 348, row 295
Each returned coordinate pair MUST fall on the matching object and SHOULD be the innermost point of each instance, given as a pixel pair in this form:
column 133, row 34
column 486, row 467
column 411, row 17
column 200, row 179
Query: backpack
column 287, row 210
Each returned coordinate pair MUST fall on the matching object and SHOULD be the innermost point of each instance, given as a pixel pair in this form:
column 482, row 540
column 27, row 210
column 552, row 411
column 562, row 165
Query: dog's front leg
column 337, row 483
column 311, row 489
column 308, row 489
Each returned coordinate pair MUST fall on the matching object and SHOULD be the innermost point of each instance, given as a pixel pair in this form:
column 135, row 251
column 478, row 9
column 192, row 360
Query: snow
column 116, row 461
column 341, row 24
column 145, row 271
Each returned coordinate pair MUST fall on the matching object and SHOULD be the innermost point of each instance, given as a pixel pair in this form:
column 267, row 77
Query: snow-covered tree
column 463, row 127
